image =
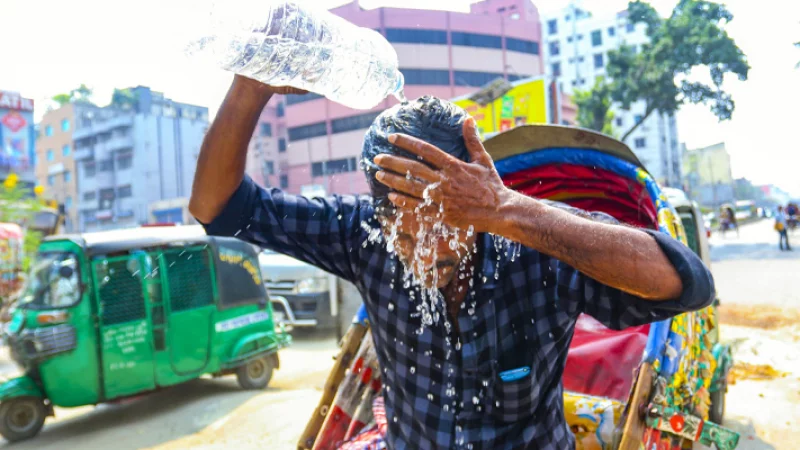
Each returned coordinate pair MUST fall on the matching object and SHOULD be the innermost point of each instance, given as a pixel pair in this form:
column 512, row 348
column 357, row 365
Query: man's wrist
column 508, row 212
column 250, row 90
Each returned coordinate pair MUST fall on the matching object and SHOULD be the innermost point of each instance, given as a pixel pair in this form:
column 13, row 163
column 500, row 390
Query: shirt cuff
column 698, row 284
column 237, row 211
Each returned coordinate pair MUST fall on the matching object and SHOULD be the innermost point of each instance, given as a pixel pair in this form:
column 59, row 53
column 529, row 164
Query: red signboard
column 14, row 121
column 14, row 101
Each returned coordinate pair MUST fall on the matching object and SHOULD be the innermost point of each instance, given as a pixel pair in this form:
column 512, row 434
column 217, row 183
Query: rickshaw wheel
column 21, row 418
column 716, row 411
column 256, row 374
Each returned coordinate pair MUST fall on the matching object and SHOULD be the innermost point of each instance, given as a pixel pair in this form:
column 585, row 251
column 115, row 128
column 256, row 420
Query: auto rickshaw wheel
column 716, row 411
column 21, row 418
column 256, row 374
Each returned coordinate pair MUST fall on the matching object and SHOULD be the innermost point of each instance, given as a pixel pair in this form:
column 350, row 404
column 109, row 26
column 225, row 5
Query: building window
column 333, row 166
column 294, row 99
column 598, row 61
column 65, row 150
column 281, row 145
column 476, row 40
column 68, row 202
column 307, row 131
column 612, row 31
column 416, row 36
column 556, row 68
column 629, row 27
column 619, row 121
column 50, row 155
column 89, row 169
column 89, row 196
column 266, row 129
column 552, row 26
column 281, row 110
column 124, row 191
column 284, row 181
column 358, row 122
column 106, row 165
column 637, row 119
column 429, row 77
column 65, row 125
column 51, row 180
column 555, row 48
column 639, row 143
column 125, row 162
column 269, row 167
column 523, row 46
column 48, row 130
column 597, row 38
column 67, row 176
column 475, row 79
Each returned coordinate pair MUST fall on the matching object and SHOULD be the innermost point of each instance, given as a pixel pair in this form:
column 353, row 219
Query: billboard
column 525, row 103
column 17, row 138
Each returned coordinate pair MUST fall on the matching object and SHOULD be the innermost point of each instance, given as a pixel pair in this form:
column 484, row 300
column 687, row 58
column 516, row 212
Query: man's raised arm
column 221, row 164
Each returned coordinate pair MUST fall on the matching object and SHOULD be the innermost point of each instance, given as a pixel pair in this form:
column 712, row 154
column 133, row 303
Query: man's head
column 780, row 208
column 421, row 244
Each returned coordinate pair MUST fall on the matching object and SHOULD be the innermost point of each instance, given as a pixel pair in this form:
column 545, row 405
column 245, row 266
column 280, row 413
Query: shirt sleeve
column 618, row 310
column 324, row 232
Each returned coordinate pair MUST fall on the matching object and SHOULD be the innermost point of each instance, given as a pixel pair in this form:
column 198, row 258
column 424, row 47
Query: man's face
column 432, row 252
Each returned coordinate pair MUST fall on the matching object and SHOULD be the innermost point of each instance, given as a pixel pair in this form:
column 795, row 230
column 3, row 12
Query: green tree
column 123, row 99
column 17, row 206
column 81, row 94
column 693, row 36
column 594, row 107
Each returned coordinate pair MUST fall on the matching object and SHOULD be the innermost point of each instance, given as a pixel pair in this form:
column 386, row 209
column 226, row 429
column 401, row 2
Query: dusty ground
column 758, row 286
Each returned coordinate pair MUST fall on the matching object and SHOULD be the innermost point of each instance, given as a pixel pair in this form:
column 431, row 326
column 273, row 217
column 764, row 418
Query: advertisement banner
column 525, row 103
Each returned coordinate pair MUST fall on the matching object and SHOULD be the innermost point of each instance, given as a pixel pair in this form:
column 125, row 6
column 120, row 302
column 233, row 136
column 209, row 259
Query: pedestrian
column 781, row 226
column 483, row 339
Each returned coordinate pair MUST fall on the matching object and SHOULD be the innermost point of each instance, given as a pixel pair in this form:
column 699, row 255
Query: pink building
column 310, row 141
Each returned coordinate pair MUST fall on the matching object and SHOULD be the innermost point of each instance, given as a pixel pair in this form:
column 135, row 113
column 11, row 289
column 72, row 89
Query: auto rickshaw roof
column 104, row 242
column 535, row 137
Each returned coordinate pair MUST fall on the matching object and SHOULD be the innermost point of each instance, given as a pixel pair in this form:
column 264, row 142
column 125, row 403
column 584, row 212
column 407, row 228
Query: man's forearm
column 621, row 257
column 223, row 154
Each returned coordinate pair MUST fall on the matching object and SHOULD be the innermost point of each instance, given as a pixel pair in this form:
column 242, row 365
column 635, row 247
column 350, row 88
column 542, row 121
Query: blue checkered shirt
column 520, row 313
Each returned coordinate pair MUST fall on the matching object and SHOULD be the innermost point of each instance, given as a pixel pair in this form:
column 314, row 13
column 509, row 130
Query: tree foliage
column 594, row 107
column 123, row 99
column 81, row 94
column 16, row 206
column 693, row 36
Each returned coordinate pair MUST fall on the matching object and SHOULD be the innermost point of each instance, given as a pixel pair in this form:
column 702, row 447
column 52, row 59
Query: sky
column 51, row 46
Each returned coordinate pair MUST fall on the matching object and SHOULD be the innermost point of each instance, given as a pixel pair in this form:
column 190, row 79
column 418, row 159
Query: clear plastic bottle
column 285, row 43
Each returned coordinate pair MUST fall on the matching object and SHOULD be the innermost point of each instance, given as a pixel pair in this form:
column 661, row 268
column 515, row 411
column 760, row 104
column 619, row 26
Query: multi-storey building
column 575, row 45
column 17, row 137
column 307, row 143
column 135, row 165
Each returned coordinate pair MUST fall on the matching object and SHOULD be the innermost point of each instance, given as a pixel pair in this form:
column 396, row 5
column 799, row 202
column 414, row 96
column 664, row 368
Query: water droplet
column 497, row 403
column 430, row 397
column 391, row 306
column 475, row 400
column 340, row 217
column 412, row 369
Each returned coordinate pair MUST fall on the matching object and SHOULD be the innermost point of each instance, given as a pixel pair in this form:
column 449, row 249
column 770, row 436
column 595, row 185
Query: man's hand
column 466, row 193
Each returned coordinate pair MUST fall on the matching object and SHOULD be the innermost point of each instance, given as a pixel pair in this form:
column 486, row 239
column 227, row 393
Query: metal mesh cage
column 189, row 278
column 120, row 292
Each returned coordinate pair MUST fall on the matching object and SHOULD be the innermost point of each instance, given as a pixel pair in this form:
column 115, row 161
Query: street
column 756, row 288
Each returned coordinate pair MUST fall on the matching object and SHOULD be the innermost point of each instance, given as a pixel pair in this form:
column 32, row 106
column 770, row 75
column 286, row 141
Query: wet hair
column 431, row 119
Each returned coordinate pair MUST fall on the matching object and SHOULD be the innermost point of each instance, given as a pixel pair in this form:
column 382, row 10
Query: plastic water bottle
column 284, row 43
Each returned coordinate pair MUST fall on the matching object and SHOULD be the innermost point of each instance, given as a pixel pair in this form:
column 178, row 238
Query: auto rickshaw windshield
column 52, row 282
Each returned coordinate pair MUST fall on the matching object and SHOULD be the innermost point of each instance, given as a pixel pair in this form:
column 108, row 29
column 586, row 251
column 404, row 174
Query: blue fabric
column 442, row 388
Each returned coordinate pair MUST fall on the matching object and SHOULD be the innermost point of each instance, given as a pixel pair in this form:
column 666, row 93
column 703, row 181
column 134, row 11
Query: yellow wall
column 521, row 105
column 712, row 164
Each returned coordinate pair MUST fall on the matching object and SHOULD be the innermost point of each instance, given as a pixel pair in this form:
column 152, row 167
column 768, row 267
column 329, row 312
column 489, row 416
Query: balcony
column 103, row 126
column 117, row 143
column 83, row 153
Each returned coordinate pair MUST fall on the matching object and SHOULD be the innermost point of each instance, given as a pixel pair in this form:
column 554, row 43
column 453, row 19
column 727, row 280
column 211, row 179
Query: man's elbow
column 199, row 209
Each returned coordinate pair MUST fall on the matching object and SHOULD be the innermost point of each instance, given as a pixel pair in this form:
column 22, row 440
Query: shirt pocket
column 515, row 400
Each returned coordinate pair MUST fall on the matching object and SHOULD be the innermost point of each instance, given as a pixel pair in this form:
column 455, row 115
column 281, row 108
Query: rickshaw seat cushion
column 601, row 361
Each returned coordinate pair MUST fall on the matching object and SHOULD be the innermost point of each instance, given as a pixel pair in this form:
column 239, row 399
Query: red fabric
column 601, row 361
column 590, row 189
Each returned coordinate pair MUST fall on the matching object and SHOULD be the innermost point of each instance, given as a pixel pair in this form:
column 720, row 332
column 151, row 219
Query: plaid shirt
column 520, row 313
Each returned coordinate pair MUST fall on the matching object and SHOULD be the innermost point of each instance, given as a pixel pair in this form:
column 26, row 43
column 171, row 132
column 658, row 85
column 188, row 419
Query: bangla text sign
column 524, row 104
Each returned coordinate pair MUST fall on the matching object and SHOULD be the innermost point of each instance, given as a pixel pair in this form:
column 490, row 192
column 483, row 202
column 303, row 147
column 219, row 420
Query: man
column 487, row 373
column 782, row 227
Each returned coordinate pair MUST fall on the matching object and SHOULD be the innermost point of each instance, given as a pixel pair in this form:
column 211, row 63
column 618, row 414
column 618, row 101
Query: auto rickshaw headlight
column 50, row 318
column 312, row 286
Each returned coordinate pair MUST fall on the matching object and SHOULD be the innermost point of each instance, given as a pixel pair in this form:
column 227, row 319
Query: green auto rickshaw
column 115, row 314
